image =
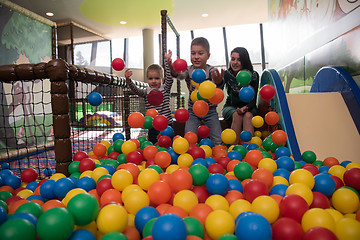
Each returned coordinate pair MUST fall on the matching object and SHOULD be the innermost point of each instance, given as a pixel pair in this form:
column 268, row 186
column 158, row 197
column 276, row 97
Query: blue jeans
column 211, row 120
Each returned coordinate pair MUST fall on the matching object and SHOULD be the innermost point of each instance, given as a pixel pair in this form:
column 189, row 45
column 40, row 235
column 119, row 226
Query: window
column 117, row 48
column 103, row 54
column 82, row 54
column 135, row 50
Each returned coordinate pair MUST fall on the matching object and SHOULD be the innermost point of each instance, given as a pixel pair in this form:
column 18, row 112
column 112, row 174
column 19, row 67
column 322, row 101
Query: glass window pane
column 216, row 41
column 118, row 48
column 185, row 41
column 135, row 52
column 103, row 54
column 83, row 54
column 247, row 36
column 157, row 48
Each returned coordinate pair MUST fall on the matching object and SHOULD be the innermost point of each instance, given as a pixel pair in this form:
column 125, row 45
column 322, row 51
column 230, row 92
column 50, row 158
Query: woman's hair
column 244, row 58
column 156, row 67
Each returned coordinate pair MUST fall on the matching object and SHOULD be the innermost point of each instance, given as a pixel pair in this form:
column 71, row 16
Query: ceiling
column 104, row 16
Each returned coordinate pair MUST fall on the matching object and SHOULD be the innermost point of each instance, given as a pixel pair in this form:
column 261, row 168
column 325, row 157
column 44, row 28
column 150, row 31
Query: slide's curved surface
column 325, row 121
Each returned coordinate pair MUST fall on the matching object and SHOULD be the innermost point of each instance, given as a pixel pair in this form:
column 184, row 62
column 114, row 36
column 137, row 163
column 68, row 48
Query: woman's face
column 235, row 62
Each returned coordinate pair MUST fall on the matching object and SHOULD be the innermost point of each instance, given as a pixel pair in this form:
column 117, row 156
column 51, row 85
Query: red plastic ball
column 29, row 175
column 216, row 168
column 203, row 131
column 180, row 65
column 86, row 164
column 113, row 155
column 287, row 228
column 338, row 182
column 134, row 157
column 155, row 97
column 197, row 152
column 254, row 188
column 320, row 201
column 311, row 168
column 164, row 141
column 319, row 233
column 80, row 155
column 223, row 161
column 103, row 185
column 160, row 122
column 352, row 178
column 181, row 115
column 118, row 64
column 201, row 193
column 267, row 92
column 293, row 206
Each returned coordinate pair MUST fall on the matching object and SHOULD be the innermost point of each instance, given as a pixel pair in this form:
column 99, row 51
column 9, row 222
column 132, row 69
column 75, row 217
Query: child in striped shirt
column 155, row 78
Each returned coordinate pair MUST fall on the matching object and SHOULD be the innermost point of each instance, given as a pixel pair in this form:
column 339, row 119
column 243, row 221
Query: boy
column 155, row 77
column 199, row 55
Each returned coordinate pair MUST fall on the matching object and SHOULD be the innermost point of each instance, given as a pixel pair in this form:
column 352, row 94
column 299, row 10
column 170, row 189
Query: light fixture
column 122, row 22
column 50, row 14
column 204, row 15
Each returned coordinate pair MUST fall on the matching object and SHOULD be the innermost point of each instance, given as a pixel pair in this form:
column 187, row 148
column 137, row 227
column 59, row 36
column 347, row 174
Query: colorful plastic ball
column 286, row 163
column 159, row 192
column 302, row 176
column 136, row 120
column 134, row 157
column 218, row 223
column 246, row 94
column 203, row 131
column 147, row 177
column 180, row 145
column 228, row 136
column 317, row 217
column 10, row 229
column 86, row 164
column 180, row 65
column 95, row 99
column 186, row 199
column 148, row 123
column 243, row 77
column 117, row 136
column 218, row 97
column 118, row 64
column 268, row 163
column 267, row 207
column 302, row 190
column 180, row 180
column 206, row 141
column 169, row 131
column 234, row 155
column 330, row 161
column 308, row 156
column 251, row 226
column 279, row 189
column 81, row 234
column 194, row 227
column 12, row 180
column 245, row 136
column 162, row 159
column 198, row 75
column 217, row 184
column 319, row 233
column 320, row 201
column 199, row 174
column 324, row 184
column 47, row 189
column 352, row 178
column 282, row 151
column 155, row 97
column 86, row 183
column 254, row 188
column 29, row 175
column 200, row 108
column 287, row 228
column 144, row 215
column 293, row 206
column 257, row 121
column 63, row 186
column 121, row 179
column 128, row 146
column 345, row 200
column 243, row 170
column 169, row 226
column 207, row 89
column 160, row 122
column 267, row 92
column 264, row 175
column 84, row 208
column 348, row 228
column 271, row 118
column 112, row 218
column 279, row 137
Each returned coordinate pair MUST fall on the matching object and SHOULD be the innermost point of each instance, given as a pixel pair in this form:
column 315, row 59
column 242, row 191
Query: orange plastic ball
column 191, row 137
column 330, row 161
column 271, row 118
column 52, row 203
column 152, row 112
column 230, row 166
column 200, row 212
column 136, row 142
column 131, row 167
column 218, row 97
column 178, row 211
column 279, row 137
column 233, row 195
column 162, row 159
column 162, row 208
column 110, row 195
column 136, row 120
column 264, row 175
column 180, row 180
column 149, row 152
column 253, row 157
column 159, row 192
column 200, row 108
column 99, row 150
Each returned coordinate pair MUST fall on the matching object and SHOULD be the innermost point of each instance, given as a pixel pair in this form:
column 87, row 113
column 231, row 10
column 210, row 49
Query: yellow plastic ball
column 193, row 96
column 347, row 229
column 279, row 180
column 257, row 121
column 171, row 168
column 131, row 219
column 121, row 179
column 353, row 165
column 185, row 160
column 57, row 176
column 345, row 200
column 258, row 134
column 302, row 176
column 269, row 164
column 231, row 148
column 267, row 207
column 219, row 223
column 106, row 143
column 147, row 177
column 337, row 170
column 228, row 136
column 128, row 146
column 136, row 200
column 180, row 145
column 71, row 194
column 195, row 84
column 112, row 218
column 335, row 214
column 207, row 149
column 185, row 199
column 317, row 217
column 256, row 140
column 98, row 172
column 87, row 173
column 239, row 206
column 207, row 89
column 128, row 189
column 217, row 202
column 302, row 190
column 25, row 193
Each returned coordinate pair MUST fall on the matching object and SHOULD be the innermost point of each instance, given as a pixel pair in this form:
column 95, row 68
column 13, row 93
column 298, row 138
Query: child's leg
column 212, row 121
column 192, row 123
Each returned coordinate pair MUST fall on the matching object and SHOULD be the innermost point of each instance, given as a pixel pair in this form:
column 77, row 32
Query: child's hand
column 128, row 74
column 242, row 110
column 168, row 56
column 217, row 76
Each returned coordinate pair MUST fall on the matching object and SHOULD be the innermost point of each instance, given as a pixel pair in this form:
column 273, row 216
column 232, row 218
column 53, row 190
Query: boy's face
column 199, row 56
column 154, row 79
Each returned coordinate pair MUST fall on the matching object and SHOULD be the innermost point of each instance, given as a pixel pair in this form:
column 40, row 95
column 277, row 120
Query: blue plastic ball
column 47, row 189
column 12, row 180
column 209, row 161
column 217, row 184
column 87, row 183
column 206, row 141
column 285, row 162
column 198, row 75
column 324, row 183
column 201, row 161
column 324, row 169
column 3, row 215
column 169, row 131
column 279, row 189
column 62, row 186
column 234, row 155
column 35, row 197
column 5, row 165
column 32, row 185
column 169, row 226
column 345, row 163
column 110, row 168
column 282, row 172
column 235, row 185
column 144, row 215
column 48, row 172
column 282, row 151
column 246, row 94
column 117, row 136
column 82, row 234
column 24, row 215
column 252, row 146
column 245, row 135
column 174, row 155
column 95, row 99
column 252, row 226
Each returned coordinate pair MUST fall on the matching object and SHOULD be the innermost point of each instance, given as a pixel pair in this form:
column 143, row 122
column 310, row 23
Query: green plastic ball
column 84, row 207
